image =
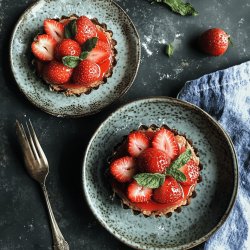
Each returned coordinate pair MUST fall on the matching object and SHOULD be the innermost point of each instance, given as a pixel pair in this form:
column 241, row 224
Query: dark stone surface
column 23, row 217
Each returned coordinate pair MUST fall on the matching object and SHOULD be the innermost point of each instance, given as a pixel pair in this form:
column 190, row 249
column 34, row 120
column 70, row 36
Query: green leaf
column 169, row 50
column 177, row 175
column 84, row 55
column 179, row 7
column 70, row 29
column 90, row 44
column 181, row 160
column 150, row 180
column 71, row 61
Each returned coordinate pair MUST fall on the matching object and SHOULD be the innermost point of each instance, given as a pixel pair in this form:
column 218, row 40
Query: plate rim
column 41, row 107
column 235, row 171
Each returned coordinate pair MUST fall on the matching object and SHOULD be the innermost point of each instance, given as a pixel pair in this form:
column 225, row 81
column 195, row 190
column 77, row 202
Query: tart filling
column 155, row 170
column 75, row 54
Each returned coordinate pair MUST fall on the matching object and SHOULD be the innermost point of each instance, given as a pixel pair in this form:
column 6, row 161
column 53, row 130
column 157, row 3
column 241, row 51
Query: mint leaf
column 150, row 180
column 178, row 6
column 90, row 44
column 169, row 50
column 181, row 160
column 71, row 61
column 177, row 175
column 84, row 55
column 70, row 29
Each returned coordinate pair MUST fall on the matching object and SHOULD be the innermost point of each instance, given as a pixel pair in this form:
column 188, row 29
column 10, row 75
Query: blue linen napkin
column 225, row 95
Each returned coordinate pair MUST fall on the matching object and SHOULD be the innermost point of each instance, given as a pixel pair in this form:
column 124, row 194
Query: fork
column 38, row 168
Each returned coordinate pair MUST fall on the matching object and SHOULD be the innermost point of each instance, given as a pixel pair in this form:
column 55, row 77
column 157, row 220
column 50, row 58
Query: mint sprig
column 169, row 50
column 173, row 169
column 178, row 6
column 90, row 44
column 155, row 180
column 73, row 61
column 150, row 180
column 70, row 29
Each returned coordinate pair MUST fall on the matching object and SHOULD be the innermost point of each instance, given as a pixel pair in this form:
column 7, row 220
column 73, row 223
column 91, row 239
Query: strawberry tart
column 155, row 170
column 74, row 54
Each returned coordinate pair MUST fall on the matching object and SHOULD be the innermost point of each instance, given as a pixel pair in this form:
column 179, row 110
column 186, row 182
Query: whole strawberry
column 86, row 73
column 85, row 29
column 67, row 47
column 56, row 73
column 214, row 42
column 169, row 192
column 153, row 160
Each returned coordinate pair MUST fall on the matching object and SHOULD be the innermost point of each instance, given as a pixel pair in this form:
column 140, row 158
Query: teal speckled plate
column 128, row 57
column 215, row 194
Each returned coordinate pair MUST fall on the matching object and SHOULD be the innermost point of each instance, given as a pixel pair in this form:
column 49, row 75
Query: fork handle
column 59, row 242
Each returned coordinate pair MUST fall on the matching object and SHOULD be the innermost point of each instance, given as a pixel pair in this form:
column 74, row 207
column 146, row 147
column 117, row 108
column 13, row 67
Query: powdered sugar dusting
column 145, row 46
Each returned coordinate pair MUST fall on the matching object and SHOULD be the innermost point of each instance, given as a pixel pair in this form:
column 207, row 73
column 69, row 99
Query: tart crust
column 176, row 207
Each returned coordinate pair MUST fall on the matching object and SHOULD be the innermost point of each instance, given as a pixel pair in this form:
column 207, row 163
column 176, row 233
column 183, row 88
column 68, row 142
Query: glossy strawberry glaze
column 151, row 206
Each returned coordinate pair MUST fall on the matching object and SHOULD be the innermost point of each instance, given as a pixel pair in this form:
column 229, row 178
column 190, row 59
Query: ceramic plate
column 128, row 47
column 215, row 194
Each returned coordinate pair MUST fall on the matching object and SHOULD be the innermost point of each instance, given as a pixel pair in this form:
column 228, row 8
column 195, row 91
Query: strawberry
column 57, row 73
column 104, row 45
column 169, row 192
column 123, row 169
column 54, row 29
column 137, row 142
column 105, row 66
column 165, row 140
column 191, row 171
column 102, row 36
column 67, row 47
column 43, row 47
column 153, row 160
column 86, row 73
column 98, row 55
column 181, row 141
column 137, row 193
column 85, row 29
column 214, row 41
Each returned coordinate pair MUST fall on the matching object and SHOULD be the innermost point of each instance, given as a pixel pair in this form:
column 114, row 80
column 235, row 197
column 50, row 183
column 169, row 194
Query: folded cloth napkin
column 225, row 95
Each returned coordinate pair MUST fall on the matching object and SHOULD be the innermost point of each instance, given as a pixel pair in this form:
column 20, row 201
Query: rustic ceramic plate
column 215, row 194
column 128, row 58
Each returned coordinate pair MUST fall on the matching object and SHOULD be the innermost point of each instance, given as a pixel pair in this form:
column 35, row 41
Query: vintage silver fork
column 38, row 168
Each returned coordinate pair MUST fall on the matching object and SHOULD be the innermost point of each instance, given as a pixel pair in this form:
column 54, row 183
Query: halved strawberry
column 123, row 169
column 102, row 36
column 43, row 47
column 153, row 160
column 137, row 193
column 181, row 141
column 85, row 29
column 191, row 171
column 137, row 143
column 165, row 140
column 86, row 73
column 169, row 192
column 54, row 29
column 105, row 66
column 67, row 47
column 56, row 73
column 103, row 45
column 98, row 55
